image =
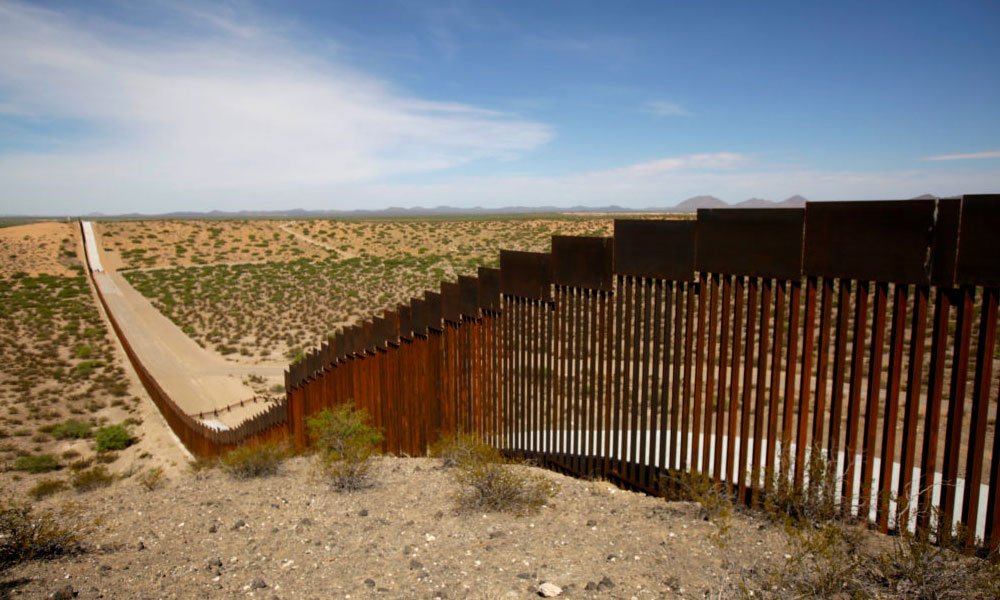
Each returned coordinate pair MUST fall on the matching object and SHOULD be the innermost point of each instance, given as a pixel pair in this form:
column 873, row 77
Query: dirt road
column 196, row 379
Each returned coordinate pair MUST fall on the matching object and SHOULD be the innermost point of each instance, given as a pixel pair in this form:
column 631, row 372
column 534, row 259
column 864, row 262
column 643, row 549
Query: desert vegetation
column 67, row 410
column 354, row 269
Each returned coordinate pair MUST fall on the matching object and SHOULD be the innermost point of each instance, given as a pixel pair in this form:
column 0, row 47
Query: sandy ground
column 290, row 536
column 36, row 248
column 197, row 379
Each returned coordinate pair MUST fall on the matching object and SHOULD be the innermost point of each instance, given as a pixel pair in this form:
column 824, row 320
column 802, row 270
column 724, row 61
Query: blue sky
column 123, row 107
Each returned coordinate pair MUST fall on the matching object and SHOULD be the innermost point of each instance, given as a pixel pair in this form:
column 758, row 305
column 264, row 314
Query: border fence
column 200, row 439
column 737, row 345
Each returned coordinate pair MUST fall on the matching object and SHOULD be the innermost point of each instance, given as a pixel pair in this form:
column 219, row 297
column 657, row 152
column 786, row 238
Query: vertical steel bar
column 956, row 408
column 761, row 389
column 675, row 389
column 791, row 363
column 980, row 410
column 932, row 418
column 890, row 422
column 914, row 375
column 734, row 382
column 723, row 363
column 659, row 350
column 710, row 375
column 839, row 376
column 772, row 411
column 854, row 397
column 874, row 396
column 701, row 288
column 753, row 286
column 686, row 462
column 808, row 341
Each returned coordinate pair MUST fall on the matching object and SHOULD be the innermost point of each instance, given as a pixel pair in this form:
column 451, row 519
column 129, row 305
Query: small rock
column 591, row 523
column 305, row 522
column 105, row 568
column 140, row 546
column 440, row 595
column 258, row 584
column 239, row 524
column 439, row 514
column 549, row 590
column 496, row 534
column 416, row 564
column 407, row 549
column 363, row 512
column 66, row 593
column 370, row 582
column 215, row 562
column 524, row 575
column 213, row 528
column 605, row 584
column 590, row 587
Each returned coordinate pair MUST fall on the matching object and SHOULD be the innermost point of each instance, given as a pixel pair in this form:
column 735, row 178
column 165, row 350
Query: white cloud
column 239, row 109
column 968, row 156
column 666, row 109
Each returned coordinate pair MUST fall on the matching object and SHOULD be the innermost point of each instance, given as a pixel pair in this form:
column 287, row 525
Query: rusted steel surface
column 873, row 241
column 583, row 262
column 655, row 248
column 800, row 332
column 978, row 243
column 526, row 274
column 752, row 242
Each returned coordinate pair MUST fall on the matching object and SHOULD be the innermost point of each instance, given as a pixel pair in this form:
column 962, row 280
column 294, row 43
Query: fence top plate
column 469, row 290
column 979, row 241
column 488, row 294
column 432, row 311
column 887, row 240
column 418, row 317
column 405, row 321
column 526, row 274
column 758, row 242
column 583, row 262
column 657, row 248
column 451, row 301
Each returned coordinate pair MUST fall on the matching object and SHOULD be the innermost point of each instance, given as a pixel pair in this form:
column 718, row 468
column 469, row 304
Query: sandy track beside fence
column 196, row 379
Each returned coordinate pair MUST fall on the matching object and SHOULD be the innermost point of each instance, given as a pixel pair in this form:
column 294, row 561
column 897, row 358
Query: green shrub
column 260, row 460
column 487, row 481
column 92, row 479
column 39, row 463
column 26, row 534
column 345, row 444
column 463, row 448
column 71, row 429
column 498, row 487
column 113, row 437
column 46, row 488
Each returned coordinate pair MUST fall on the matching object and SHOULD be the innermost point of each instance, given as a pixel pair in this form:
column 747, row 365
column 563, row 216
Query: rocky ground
column 204, row 534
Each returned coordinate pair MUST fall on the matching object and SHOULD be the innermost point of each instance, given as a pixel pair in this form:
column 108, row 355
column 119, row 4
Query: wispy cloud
column 967, row 156
column 236, row 109
column 666, row 109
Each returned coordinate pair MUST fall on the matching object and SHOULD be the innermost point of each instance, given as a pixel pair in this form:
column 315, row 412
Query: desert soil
column 290, row 536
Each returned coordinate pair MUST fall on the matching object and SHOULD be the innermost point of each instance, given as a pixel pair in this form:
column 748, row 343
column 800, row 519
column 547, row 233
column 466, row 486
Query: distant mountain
column 693, row 204
column 755, row 203
column 795, row 201
column 924, row 197
column 687, row 206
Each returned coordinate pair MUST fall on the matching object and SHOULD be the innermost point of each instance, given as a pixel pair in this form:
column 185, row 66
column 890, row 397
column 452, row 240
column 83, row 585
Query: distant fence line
column 733, row 345
column 199, row 438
